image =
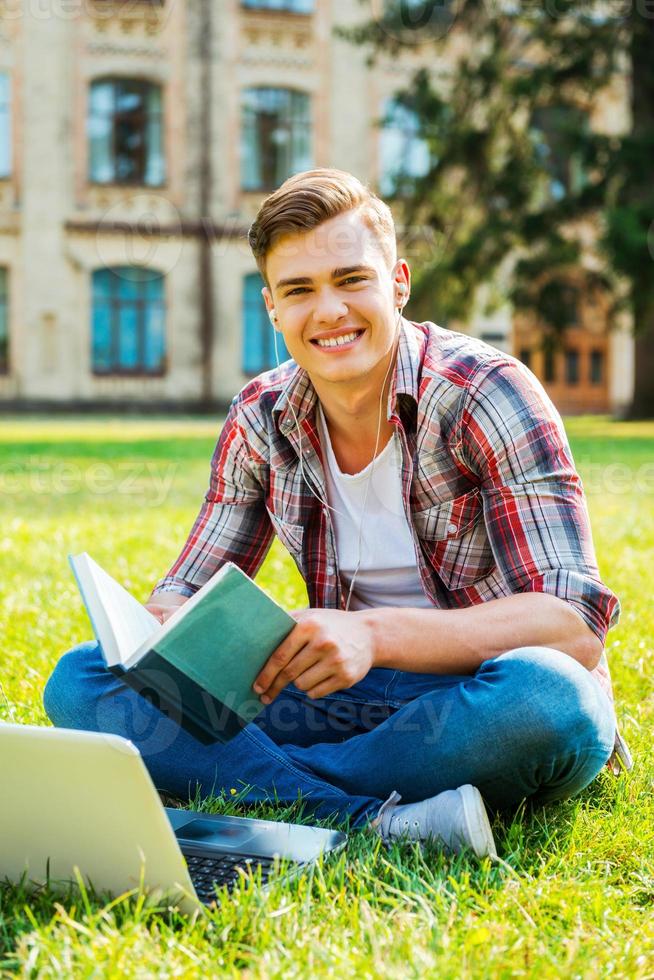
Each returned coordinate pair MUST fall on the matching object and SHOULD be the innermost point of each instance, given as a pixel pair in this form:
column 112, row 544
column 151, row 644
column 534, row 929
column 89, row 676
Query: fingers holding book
column 329, row 650
column 163, row 604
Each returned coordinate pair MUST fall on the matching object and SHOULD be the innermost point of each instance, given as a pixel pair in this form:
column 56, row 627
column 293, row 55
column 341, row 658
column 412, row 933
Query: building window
column 525, row 356
column 276, row 136
column 4, row 323
column 5, row 125
column 554, row 131
column 572, row 367
column 549, row 366
column 495, row 338
column 258, row 332
column 294, row 6
column 125, row 132
column 404, row 154
column 596, row 367
column 128, row 321
column 558, row 304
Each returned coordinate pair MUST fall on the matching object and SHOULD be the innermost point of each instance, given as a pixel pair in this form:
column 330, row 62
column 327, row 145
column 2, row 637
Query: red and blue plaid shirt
column 490, row 489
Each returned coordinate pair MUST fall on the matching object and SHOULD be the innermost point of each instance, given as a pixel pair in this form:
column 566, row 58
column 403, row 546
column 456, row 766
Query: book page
column 121, row 623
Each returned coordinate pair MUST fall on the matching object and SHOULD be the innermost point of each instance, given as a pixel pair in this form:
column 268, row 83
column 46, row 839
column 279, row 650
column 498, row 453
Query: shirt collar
column 298, row 398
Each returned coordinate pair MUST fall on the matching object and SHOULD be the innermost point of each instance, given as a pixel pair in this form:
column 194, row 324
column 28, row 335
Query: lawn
column 574, row 893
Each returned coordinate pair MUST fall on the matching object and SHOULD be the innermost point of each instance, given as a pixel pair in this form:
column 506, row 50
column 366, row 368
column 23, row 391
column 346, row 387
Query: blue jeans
column 530, row 723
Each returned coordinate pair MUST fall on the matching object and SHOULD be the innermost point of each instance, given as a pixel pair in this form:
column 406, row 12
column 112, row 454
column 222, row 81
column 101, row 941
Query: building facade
column 137, row 140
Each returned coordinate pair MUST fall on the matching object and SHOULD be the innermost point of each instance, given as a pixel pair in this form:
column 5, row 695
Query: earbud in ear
column 272, row 316
column 402, row 290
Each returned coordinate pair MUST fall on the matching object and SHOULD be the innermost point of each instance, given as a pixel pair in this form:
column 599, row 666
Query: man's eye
column 303, row 289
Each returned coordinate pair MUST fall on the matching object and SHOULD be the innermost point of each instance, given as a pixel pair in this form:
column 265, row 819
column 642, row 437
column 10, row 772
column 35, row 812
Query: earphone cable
column 325, row 503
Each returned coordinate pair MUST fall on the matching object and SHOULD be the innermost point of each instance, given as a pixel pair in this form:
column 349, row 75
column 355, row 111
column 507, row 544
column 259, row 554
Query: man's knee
column 70, row 694
column 565, row 709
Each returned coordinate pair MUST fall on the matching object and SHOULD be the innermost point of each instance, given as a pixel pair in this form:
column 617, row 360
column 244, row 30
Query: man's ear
column 270, row 305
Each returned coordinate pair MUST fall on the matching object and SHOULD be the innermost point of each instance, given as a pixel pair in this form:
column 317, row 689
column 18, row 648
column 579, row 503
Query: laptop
column 85, row 800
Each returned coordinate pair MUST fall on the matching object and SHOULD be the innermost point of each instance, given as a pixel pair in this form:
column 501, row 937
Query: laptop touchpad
column 212, row 832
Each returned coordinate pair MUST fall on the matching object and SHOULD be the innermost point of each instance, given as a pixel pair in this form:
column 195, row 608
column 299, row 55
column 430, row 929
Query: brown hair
column 307, row 199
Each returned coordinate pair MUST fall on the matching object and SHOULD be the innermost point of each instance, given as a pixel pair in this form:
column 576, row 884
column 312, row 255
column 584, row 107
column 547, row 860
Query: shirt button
column 330, row 569
column 451, row 528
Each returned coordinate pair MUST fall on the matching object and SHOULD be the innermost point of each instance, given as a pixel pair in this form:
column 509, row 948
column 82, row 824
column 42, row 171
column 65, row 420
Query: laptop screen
column 212, row 832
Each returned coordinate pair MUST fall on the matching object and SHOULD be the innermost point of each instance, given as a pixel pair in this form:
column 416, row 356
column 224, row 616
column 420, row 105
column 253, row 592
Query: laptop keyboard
column 207, row 872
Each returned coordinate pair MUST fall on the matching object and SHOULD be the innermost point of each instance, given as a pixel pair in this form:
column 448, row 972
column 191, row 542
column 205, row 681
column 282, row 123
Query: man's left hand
column 327, row 651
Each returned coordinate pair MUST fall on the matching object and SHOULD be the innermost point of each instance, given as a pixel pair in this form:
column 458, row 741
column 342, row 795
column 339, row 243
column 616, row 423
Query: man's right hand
column 164, row 604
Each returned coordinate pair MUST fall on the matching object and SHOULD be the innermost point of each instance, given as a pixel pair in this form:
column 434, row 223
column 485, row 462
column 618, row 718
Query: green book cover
column 223, row 641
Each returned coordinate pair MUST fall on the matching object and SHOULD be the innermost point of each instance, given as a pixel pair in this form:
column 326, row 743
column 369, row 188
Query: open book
column 199, row 666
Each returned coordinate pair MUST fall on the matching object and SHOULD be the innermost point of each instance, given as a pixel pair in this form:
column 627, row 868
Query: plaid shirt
column 489, row 485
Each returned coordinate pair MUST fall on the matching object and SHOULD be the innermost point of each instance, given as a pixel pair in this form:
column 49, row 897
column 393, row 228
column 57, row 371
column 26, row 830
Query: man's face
column 336, row 298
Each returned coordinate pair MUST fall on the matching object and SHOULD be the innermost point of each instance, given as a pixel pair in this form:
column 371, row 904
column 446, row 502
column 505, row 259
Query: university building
column 137, row 140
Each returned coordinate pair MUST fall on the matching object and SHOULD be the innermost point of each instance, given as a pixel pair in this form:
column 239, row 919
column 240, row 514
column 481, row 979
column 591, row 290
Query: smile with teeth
column 345, row 338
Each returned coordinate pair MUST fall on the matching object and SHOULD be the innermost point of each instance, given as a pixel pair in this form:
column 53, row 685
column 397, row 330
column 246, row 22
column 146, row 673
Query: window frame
column 269, row 183
column 572, row 360
column 549, row 363
column 596, row 355
column 400, row 183
column 145, row 86
column 254, row 306
column 140, row 304
column 286, row 7
column 5, row 122
column 565, row 174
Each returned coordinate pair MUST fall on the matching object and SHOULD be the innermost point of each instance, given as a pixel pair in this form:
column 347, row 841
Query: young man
column 423, row 484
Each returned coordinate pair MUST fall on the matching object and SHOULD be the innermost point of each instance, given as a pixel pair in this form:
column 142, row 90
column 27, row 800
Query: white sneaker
column 457, row 818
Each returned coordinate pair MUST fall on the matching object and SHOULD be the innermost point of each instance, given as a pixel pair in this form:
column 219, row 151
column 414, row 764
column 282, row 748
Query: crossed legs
column 531, row 723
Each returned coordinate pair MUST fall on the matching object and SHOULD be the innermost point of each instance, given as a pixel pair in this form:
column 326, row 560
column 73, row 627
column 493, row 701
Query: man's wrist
column 374, row 620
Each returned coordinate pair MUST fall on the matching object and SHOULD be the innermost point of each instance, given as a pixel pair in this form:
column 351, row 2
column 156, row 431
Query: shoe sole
column 480, row 835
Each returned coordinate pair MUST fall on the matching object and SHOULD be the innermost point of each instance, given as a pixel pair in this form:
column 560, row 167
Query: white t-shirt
column 388, row 574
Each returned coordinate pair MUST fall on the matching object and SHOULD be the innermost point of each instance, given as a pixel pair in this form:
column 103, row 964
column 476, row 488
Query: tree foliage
column 525, row 191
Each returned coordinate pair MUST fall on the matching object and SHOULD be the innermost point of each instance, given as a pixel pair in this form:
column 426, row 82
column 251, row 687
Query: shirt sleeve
column 512, row 438
column 233, row 523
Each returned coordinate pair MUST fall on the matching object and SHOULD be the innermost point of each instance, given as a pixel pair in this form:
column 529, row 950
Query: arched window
column 404, row 153
column 125, row 132
column 4, row 323
column 258, row 332
column 5, row 125
column 128, row 321
column 276, row 136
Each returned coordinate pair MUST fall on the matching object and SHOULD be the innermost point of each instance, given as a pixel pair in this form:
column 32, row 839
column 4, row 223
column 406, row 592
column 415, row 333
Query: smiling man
column 423, row 483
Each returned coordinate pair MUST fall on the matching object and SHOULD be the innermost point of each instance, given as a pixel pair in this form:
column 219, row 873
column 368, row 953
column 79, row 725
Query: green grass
column 574, row 894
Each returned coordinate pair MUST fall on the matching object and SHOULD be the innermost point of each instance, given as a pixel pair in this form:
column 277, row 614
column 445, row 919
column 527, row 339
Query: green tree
column 516, row 172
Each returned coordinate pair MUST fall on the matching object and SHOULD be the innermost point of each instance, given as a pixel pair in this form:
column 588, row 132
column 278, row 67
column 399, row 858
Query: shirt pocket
column 454, row 538
column 290, row 535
